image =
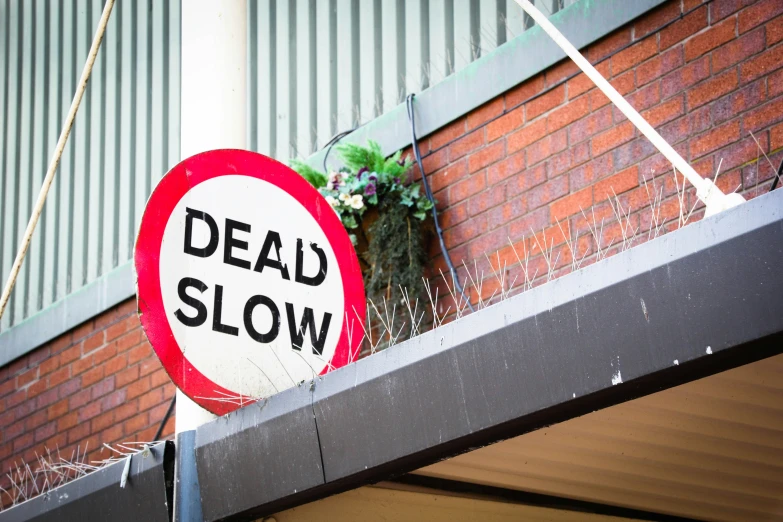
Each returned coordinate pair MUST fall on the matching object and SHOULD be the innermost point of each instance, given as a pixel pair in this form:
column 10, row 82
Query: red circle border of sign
column 165, row 197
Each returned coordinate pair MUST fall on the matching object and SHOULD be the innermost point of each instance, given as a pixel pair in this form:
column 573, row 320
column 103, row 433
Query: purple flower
column 361, row 172
column 396, row 181
column 369, row 190
column 373, row 177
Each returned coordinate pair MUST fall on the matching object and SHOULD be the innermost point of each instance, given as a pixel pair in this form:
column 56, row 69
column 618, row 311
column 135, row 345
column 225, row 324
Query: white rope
column 58, row 151
column 705, row 188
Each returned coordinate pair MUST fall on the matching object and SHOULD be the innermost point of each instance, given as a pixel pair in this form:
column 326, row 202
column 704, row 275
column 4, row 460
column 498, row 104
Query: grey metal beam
column 685, row 305
column 98, row 496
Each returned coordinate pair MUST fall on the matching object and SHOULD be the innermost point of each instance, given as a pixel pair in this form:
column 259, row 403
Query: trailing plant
column 383, row 211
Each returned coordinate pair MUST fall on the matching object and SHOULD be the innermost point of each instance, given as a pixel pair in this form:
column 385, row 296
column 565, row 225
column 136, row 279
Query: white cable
column 713, row 198
column 58, row 152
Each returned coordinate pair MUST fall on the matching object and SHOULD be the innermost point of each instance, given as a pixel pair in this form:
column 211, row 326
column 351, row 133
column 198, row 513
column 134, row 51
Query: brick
column 775, row 84
column 462, row 233
column 764, row 116
column 27, row 377
column 58, row 409
column 36, row 388
column 560, row 71
column 681, row 29
column 15, row 398
column 712, row 89
column 547, row 192
column 46, row 398
column 83, row 330
column 589, row 126
column 485, row 113
column 447, row 134
column 685, row 77
column 79, row 399
column 139, row 352
column 89, row 411
column 448, row 175
column 738, row 50
column 544, row 148
column 486, row 156
column 569, row 113
column 634, row 55
column 659, row 65
column 23, row 442
column 714, row 139
column 619, row 183
column 508, row 167
column 544, row 103
column 525, row 136
column 103, row 354
column 609, row 44
column 70, row 354
column 102, row 388
column 93, row 342
column 35, row 420
column 466, row 188
column 67, row 422
column 724, row 8
column 713, row 37
column 522, row 226
column 69, row 387
column 764, row 63
column 126, row 410
column 78, row 432
column 776, row 137
column 571, row 204
column 92, row 376
column 121, row 327
column 774, row 31
column 46, row 431
column 80, row 366
column 524, row 92
column 49, row 365
column 436, row 160
column 487, row 243
column 505, row 124
column 116, row 364
column 127, row 376
column 624, row 84
column 560, row 163
column 59, row 376
column 149, row 365
column 676, row 131
column 61, row 343
column 665, row 112
column 138, row 388
column 610, row 139
column 6, row 387
column 581, row 83
column 758, row 13
column 632, row 152
column 493, row 196
column 656, row 18
column 640, row 100
column 453, row 215
column 102, row 421
column 466, row 144
column 526, row 180
column 744, row 151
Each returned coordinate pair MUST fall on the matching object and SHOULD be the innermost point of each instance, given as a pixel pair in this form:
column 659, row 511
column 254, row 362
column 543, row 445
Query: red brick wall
column 705, row 74
column 98, row 383
column 529, row 157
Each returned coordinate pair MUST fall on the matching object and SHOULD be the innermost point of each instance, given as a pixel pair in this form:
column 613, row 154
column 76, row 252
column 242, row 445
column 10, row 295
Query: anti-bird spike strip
column 713, row 198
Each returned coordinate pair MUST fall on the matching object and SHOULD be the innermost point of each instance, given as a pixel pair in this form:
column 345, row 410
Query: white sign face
column 253, row 290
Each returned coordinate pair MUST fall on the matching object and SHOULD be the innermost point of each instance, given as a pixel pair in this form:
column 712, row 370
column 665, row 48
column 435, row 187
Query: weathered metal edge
column 686, row 305
column 98, row 496
column 491, row 75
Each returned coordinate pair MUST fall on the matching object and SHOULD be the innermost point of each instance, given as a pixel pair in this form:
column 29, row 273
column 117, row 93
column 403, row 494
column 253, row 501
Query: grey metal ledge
column 686, row 305
column 98, row 496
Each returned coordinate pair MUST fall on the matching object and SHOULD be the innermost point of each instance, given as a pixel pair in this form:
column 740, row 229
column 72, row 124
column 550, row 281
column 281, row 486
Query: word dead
column 266, row 260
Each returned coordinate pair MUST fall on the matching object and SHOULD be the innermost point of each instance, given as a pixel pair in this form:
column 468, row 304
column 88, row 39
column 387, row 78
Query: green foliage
column 390, row 239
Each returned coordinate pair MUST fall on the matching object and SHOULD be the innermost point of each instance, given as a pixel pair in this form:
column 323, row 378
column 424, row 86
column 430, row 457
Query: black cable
column 428, row 192
column 165, row 418
column 777, row 178
column 332, row 142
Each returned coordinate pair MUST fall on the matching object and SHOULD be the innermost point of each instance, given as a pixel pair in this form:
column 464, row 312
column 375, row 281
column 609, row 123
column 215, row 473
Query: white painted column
column 214, row 108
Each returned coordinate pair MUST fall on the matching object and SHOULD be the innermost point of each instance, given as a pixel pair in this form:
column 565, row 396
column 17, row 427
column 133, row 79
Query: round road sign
column 247, row 280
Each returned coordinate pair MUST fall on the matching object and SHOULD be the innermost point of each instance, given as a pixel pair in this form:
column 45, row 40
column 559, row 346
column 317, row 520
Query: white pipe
column 58, row 152
column 713, row 198
column 214, row 105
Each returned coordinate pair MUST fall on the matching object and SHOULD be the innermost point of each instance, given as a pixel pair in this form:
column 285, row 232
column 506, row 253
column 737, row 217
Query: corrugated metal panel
column 125, row 137
column 711, row 449
column 318, row 68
